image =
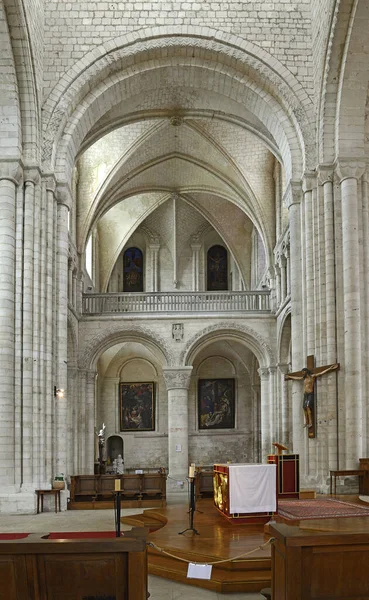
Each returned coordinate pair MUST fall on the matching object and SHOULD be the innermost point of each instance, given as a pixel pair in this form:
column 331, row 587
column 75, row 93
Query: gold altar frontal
column 223, row 504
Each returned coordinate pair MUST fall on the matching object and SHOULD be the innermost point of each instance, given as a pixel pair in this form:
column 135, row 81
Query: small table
column 343, row 473
column 41, row 493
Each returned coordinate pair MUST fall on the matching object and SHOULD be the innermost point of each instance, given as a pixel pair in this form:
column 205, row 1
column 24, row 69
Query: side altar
column 246, row 493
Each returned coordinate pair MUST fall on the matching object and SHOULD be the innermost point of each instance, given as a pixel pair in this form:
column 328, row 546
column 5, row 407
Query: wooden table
column 343, row 473
column 41, row 494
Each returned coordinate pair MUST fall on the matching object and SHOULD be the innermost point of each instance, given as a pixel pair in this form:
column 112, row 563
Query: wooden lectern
column 288, row 472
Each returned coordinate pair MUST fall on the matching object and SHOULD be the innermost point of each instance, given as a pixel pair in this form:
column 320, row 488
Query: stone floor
column 103, row 520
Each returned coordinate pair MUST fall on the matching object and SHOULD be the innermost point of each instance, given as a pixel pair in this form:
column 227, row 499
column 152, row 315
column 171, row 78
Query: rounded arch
column 141, row 358
column 275, row 95
column 345, row 83
column 253, row 340
column 117, row 333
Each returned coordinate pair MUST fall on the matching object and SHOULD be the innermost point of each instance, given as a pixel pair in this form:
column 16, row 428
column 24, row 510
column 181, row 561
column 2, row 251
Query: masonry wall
column 283, row 28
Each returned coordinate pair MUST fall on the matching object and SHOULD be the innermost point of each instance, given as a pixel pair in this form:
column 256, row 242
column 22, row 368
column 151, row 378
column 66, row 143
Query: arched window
column 133, row 270
column 217, row 269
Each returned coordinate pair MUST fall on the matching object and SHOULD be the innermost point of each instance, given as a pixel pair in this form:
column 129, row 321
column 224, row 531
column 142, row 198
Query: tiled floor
column 103, row 520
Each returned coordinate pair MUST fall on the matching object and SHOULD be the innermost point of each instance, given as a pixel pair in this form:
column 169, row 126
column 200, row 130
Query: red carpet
column 13, row 536
column 80, row 535
column 320, row 509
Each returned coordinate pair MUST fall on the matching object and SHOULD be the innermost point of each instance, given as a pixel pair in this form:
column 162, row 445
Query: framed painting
column 216, row 403
column 137, row 406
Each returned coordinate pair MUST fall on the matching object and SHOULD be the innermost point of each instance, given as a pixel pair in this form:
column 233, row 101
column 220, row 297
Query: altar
column 246, row 493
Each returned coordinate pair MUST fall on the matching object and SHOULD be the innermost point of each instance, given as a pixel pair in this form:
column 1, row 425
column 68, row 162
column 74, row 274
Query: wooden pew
column 204, row 484
column 35, row 568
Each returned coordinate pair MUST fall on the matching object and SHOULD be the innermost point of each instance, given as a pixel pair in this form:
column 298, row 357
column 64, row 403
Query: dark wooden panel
column 13, row 578
column 79, row 576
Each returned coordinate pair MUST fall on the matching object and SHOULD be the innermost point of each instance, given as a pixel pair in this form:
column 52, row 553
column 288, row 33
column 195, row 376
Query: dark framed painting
column 137, row 406
column 216, row 403
column 133, row 270
column 217, row 269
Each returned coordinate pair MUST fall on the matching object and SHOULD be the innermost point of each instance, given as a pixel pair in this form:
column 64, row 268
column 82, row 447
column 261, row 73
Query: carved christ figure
column 309, row 381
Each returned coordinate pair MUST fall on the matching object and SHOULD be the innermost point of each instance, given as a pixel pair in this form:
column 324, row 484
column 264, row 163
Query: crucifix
column 308, row 375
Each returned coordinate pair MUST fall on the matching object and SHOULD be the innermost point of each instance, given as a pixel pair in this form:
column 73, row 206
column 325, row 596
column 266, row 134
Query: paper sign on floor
column 196, row 571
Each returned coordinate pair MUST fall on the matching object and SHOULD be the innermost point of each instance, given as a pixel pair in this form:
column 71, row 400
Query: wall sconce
column 58, row 392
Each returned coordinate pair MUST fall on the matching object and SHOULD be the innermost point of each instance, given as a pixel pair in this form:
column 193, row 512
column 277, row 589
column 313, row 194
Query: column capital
column 325, row 174
column 50, row 182
column 177, row 377
column 31, row 175
column 11, row 170
column 272, row 369
column 64, row 195
column 283, row 368
column 264, row 373
column 350, row 169
column 309, row 181
column 293, row 194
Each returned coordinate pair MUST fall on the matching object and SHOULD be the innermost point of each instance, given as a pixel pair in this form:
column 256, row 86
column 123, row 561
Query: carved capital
column 64, row 195
column 325, row 174
column 350, row 169
column 50, row 182
column 283, row 368
column 31, row 175
column 272, row 370
column 11, row 170
column 309, row 181
column 263, row 373
column 293, row 194
column 177, row 378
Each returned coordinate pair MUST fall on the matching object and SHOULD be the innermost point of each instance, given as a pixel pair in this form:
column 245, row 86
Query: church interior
column 184, row 272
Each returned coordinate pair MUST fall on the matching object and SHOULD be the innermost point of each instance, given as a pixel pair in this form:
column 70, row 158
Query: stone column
column 177, row 380
column 9, row 176
column 285, row 413
column 154, row 251
column 350, row 174
column 277, row 284
column 274, row 408
column 265, row 408
column 288, row 277
column 196, row 247
column 293, row 201
column 282, row 267
column 329, row 380
column 309, row 183
column 49, row 401
column 90, row 422
column 61, row 422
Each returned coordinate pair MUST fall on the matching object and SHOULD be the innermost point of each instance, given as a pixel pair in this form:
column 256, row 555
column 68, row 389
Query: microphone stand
column 192, row 507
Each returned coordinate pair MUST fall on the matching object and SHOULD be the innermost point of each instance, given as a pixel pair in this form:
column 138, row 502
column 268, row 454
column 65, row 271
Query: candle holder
column 117, row 499
column 192, row 506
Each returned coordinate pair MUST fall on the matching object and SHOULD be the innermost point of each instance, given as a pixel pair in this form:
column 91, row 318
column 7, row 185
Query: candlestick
column 191, row 472
column 117, row 485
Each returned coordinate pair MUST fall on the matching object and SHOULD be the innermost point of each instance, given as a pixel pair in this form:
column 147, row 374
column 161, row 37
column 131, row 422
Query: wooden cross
column 309, row 403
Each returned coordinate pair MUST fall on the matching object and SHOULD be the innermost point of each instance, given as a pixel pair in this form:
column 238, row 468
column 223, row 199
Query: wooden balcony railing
column 171, row 302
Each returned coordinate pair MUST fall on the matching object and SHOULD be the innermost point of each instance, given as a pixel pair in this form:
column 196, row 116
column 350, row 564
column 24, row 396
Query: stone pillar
column 196, row 247
column 265, row 409
column 293, row 201
column 9, row 175
column 154, row 251
column 350, row 174
column 282, row 267
column 90, row 422
column 274, row 408
column 61, row 420
column 177, row 380
column 285, row 413
column 330, row 380
column 277, row 285
column 288, row 276
column 309, row 183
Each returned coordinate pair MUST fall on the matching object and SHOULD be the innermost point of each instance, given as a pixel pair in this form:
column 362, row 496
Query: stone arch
column 253, row 340
column 9, row 95
column 123, row 332
column 25, row 68
column 345, row 83
column 278, row 99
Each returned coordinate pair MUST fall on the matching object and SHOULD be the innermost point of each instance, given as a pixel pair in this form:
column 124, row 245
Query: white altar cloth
column 252, row 488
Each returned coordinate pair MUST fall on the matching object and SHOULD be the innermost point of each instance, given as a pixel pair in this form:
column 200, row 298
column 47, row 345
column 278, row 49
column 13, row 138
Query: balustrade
column 176, row 302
